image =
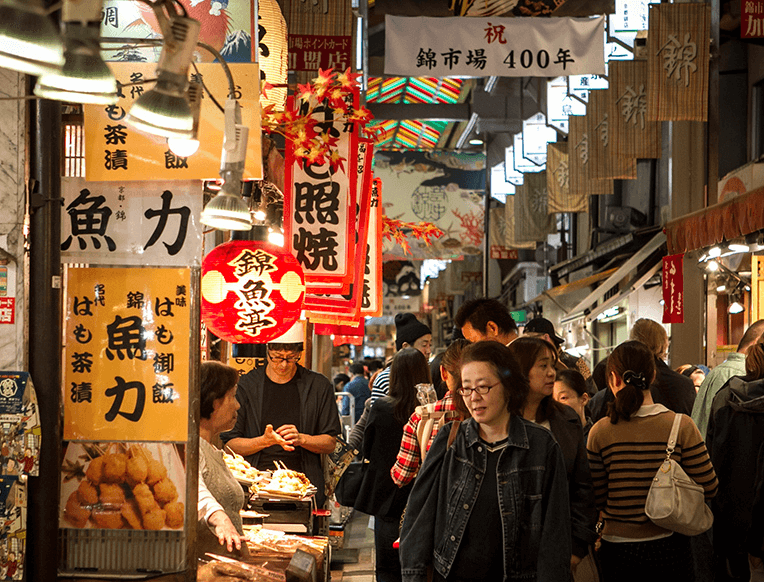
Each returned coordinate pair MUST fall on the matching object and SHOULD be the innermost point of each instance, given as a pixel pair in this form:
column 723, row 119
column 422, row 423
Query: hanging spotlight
column 736, row 306
column 712, row 266
column 714, row 252
column 85, row 77
column 738, row 248
column 227, row 211
column 188, row 147
column 276, row 237
column 29, row 41
column 164, row 110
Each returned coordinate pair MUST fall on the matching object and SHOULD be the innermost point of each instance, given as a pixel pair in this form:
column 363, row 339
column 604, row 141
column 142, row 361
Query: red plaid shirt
column 409, row 456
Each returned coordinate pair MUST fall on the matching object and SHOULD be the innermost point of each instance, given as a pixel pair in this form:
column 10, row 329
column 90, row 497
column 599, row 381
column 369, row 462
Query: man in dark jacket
column 300, row 405
column 674, row 391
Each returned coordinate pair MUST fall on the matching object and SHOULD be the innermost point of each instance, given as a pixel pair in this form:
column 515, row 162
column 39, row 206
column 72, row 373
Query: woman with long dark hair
column 491, row 500
column 538, row 361
column 378, row 495
column 626, row 448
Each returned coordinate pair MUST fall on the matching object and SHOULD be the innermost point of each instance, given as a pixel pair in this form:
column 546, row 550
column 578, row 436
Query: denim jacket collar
column 518, row 436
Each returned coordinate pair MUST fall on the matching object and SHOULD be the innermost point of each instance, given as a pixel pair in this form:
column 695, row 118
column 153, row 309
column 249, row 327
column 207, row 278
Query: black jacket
column 674, row 391
column 567, row 430
column 379, row 495
column 318, row 415
column 734, row 439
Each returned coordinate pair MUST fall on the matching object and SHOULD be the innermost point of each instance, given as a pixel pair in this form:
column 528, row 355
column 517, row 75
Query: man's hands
column 281, row 436
column 224, row 530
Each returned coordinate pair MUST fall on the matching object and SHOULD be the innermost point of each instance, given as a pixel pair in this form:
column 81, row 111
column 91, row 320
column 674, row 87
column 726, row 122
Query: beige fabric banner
column 509, row 225
column 579, row 158
column 533, row 221
column 603, row 163
column 631, row 133
column 677, row 61
column 558, row 182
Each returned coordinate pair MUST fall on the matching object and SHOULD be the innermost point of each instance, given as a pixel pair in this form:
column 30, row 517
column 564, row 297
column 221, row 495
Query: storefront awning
column 632, row 263
column 566, row 288
column 624, row 293
column 727, row 220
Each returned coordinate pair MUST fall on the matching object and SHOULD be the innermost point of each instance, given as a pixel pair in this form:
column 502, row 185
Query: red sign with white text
column 7, row 309
column 752, row 19
column 673, row 289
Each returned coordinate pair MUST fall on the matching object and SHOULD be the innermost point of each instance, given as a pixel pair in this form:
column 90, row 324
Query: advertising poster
column 445, row 189
column 126, row 354
column 138, row 486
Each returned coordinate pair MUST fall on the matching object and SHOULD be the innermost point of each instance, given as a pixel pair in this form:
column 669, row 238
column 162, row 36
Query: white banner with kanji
column 504, row 47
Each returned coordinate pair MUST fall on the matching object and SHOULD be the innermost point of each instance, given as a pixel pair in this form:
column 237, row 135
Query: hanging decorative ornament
column 272, row 54
column 252, row 292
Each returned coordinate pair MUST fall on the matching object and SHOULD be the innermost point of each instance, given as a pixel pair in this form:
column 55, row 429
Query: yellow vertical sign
column 115, row 151
column 127, row 353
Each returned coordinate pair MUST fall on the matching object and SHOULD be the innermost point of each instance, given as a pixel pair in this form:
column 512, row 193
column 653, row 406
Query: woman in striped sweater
column 625, row 450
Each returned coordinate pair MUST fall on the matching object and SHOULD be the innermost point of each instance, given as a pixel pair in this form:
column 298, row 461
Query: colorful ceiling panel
column 411, row 134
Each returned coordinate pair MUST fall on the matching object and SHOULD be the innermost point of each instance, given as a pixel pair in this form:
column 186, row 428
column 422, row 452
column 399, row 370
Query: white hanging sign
column 504, row 47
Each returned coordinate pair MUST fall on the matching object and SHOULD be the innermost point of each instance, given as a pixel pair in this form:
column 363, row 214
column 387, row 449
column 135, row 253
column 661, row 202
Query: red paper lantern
column 252, row 292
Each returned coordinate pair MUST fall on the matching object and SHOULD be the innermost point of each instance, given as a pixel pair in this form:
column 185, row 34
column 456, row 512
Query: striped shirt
column 381, row 385
column 624, row 458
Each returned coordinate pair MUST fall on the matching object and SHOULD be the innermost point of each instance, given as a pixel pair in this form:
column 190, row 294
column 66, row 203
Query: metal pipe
column 45, row 333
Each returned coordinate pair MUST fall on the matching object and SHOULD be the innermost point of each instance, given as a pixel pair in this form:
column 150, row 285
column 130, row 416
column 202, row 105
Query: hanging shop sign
column 116, row 151
column 536, row 135
column 498, row 235
column 326, row 308
column 502, row 47
column 579, row 140
column 523, row 164
column 632, row 134
column 560, row 104
column 320, row 37
column 678, row 56
column 252, row 292
column 510, row 228
column 560, row 198
column 131, row 223
column 371, row 302
column 7, row 310
column 752, row 19
column 126, row 354
column 443, row 188
column 604, row 165
column 533, row 222
column 673, row 289
column 320, row 205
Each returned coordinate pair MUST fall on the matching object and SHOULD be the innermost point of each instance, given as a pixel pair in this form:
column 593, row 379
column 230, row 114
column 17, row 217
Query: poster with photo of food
column 107, row 485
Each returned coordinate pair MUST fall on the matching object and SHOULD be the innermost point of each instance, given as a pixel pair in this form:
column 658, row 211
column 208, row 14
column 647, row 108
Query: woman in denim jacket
column 493, row 503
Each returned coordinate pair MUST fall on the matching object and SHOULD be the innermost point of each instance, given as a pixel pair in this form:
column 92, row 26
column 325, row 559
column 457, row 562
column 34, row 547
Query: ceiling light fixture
column 714, row 252
column 29, row 41
column 85, row 77
column 736, row 306
column 738, row 248
column 185, row 147
column 164, row 110
column 227, row 210
column 712, row 266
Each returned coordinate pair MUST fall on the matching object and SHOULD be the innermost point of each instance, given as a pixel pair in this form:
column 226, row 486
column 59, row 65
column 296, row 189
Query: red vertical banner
column 673, row 289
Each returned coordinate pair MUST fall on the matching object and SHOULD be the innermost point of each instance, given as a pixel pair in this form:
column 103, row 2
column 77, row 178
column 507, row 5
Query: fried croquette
column 175, row 512
column 112, row 495
column 165, row 491
column 154, row 519
column 114, row 467
column 74, row 513
column 144, row 498
column 107, row 519
column 88, row 493
column 137, row 469
column 131, row 514
column 95, row 471
column 157, row 472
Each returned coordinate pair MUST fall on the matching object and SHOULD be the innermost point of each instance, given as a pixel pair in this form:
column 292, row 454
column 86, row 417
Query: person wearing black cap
column 543, row 328
column 409, row 333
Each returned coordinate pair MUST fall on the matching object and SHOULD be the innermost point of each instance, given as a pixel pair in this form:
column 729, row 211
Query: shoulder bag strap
column 454, row 432
column 672, row 437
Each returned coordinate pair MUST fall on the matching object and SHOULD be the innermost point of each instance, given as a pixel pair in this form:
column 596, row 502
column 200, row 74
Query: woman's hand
column 224, row 530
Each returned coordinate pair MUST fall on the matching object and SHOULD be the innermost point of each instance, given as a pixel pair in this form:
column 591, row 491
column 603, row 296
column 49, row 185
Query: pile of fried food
column 291, row 483
column 244, row 472
column 126, row 490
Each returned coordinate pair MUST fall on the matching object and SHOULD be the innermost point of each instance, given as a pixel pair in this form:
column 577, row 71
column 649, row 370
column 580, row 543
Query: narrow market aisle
column 359, row 542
